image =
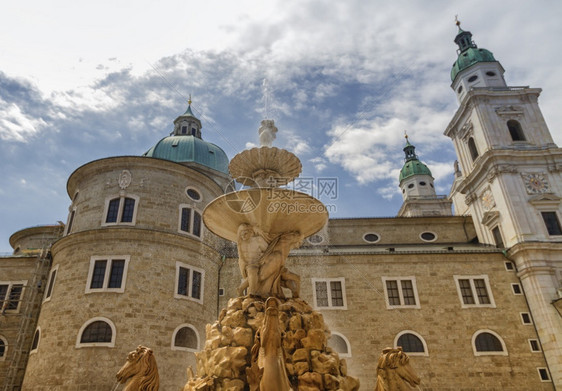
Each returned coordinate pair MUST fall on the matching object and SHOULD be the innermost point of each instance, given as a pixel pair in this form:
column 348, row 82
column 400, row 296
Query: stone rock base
column 311, row 364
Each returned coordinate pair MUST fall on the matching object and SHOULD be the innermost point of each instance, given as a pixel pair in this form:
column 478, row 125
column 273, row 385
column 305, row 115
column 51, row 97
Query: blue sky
column 83, row 81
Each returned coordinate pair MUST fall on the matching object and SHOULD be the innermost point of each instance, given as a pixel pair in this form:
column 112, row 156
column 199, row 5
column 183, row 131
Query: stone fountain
column 264, row 340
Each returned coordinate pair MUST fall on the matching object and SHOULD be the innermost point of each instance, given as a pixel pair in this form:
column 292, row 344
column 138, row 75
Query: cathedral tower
column 510, row 181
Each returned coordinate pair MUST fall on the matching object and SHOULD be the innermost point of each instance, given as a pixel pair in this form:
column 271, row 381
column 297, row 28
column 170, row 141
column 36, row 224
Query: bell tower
column 510, row 181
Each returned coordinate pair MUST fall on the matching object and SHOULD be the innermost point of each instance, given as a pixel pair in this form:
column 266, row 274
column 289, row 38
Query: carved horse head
column 141, row 368
column 394, row 372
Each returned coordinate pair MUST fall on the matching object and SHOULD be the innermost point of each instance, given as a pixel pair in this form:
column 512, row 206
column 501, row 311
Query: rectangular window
column 509, row 266
column 70, row 221
column 116, row 274
column 185, row 219
column 329, row 293
column 526, row 318
column 196, row 223
column 51, row 283
column 552, row 223
column 498, row 237
column 189, row 282
column 107, row 274
column 401, row 292
column 535, row 346
column 190, row 220
column 474, row 291
column 516, row 289
column 543, row 374
column 11, row 294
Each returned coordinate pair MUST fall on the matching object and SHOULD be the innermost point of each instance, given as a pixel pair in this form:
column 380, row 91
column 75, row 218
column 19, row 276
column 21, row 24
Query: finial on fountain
column 267, row 132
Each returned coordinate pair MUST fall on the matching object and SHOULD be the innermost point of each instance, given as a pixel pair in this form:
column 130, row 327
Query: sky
column 81, row 81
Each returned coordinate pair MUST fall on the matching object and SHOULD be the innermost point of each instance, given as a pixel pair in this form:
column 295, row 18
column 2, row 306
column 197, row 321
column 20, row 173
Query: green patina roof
column 470, row 57
column 469, row 53
column 412, row 166
column 190, row 149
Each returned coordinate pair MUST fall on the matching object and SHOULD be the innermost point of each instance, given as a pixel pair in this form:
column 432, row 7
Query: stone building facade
column 134, row 263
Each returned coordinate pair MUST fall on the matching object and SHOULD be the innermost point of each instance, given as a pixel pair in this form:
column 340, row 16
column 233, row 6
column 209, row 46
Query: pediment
column 490, row 218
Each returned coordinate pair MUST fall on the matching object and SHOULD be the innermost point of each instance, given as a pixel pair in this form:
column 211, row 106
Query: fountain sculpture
column 264, row 340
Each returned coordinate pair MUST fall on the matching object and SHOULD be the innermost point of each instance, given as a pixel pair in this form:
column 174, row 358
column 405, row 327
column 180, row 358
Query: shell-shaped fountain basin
column 273, row 210
column 259, row 164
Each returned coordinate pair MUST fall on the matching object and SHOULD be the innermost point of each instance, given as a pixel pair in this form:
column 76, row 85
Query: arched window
column 411, row 343
column 472, row 148
column 340, row 344
column 186, row 338
column 36, row 339
column 3, row 348
column 96, row 332
column 120, row 210
column 515, row 130
column 487, row 342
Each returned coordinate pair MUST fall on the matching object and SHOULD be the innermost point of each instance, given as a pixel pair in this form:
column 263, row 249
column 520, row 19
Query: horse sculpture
column 268, row 371
column 141, row 369
column 394, row 372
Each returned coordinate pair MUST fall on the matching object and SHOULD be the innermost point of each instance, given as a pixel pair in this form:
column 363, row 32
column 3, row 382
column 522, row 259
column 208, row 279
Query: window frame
column 329, row 292
column 191, row 221
column 516, row 286
column 181, row 348
column 399, row 280
column 118, row 221
column 107, row 275
column 6, row 346
column 190, row 282
column 545, row 369
column 557, row 220
column 344, row 338
column 522, row 317
column 39, row 334
column 51, row 282
column 531, row 340
column 471, row 278
column 401, row 333
column 504, row 352
column 6, row 299
column 70, row 221
column 110, row 344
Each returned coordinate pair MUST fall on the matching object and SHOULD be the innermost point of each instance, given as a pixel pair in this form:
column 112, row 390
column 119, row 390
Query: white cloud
column 15, row 125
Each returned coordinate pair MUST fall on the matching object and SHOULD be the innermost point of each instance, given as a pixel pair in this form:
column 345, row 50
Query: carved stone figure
column 268, row 357
column 394, row 372
column 267, row 132
column 262, row 261
column 141, row 368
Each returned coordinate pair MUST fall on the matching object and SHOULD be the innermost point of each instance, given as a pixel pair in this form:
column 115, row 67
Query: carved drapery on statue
column 261, row 257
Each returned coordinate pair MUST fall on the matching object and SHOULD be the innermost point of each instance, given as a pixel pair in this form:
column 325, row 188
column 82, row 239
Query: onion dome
column 468, row 53
column 412, row 166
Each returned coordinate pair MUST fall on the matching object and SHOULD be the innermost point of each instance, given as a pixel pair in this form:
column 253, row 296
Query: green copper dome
column 190, row 149
column 412, row 166
column 185, row 145
column 469, row 53
column 470, row 57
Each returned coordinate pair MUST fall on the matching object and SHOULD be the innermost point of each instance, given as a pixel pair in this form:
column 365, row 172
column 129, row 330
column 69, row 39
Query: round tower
column 136, row 265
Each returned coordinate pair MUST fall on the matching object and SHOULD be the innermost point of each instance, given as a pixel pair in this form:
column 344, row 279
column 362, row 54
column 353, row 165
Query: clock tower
column 510, row 181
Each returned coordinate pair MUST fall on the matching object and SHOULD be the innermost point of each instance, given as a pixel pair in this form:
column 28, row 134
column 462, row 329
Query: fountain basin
column 273, row 210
